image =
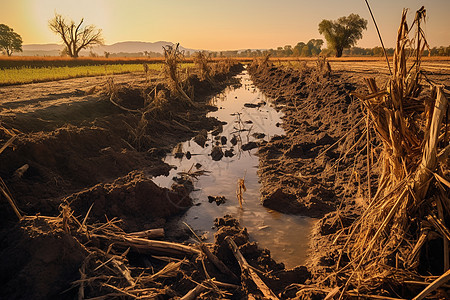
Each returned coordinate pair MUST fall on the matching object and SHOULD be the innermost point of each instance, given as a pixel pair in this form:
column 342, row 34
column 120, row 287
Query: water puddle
column 249, row 118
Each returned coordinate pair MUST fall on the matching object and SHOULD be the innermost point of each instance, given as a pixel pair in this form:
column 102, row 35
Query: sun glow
column 217, row 25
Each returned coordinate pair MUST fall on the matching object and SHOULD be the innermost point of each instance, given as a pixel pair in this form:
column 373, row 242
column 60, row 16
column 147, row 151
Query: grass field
column 24, row 75
column 56, row 61
column 21, row 70
column 29, row 75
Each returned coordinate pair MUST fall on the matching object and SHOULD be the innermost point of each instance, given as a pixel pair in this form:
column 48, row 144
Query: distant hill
column 42, row 47
column 121, row 47
column 135, row 47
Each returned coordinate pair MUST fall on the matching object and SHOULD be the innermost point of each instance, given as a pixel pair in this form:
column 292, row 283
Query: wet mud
column 82, row 170
column 309, row 170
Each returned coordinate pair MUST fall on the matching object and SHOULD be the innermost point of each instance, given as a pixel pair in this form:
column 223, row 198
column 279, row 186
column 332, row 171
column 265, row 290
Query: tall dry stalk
column 202, row 60
column 381, row 239
column 223, row 66
column 241, row 189
column 323, row 66
column 172, row 58
column 3, row 187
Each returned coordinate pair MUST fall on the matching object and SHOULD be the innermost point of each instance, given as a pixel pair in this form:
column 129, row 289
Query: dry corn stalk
column 202, row 59
column 241, row 189
column 172, row 58
column 3, row 188
column 411, row 132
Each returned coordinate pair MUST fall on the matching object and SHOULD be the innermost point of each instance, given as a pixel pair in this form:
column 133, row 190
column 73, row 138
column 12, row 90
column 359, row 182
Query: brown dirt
column 302, row 173
column 74, row 141
column 297, row 175
column 319, row 164
column 38, row 261
column 82, row 150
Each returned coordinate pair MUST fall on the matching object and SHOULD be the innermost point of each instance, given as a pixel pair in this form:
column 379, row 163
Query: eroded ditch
column 249, row 120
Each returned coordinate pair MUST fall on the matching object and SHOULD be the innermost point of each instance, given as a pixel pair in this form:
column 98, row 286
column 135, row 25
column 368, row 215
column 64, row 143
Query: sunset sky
column 220, row 25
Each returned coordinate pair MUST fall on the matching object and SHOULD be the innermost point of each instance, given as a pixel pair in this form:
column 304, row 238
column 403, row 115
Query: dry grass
column 386, row 247
column 3, row 188
column 202, row 60
column 383, row 243
column 172, row 59
column 106, row 272
column 241, row 189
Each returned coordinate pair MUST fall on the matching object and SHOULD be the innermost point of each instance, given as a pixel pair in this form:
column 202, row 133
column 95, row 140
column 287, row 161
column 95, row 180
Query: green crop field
column 22, row 75
column 29, row 75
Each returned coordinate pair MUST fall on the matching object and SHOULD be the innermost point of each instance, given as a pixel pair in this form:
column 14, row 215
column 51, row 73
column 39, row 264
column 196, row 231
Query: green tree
column 343, row 33
column 315, row 46
column 377, row 51
column 287, row 50
column 75, row 37
column 298, row 48
column 9, row 40
column 306, row 52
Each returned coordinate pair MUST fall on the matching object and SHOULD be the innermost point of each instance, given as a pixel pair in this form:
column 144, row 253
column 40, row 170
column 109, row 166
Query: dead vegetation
column 162, row 101
column 222, row 66
column 390, row 245
column 112, row 263
column 241, row 189
column 121, row 141
column 388, row 237
column 173, row 57
column 3, row 188
column 203, row 62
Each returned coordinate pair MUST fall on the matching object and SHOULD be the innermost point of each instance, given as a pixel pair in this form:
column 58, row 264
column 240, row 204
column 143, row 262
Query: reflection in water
column 286, row 236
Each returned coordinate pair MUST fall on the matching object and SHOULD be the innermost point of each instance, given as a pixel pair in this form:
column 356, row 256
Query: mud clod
column 201, row 138
column 249, row 146
column 229, row 153
column 216, row 153
column 217, row 199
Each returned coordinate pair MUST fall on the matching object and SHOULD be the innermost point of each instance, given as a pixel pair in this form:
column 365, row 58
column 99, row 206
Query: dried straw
column 173, row 57
column 241, row 189
column 381, row 245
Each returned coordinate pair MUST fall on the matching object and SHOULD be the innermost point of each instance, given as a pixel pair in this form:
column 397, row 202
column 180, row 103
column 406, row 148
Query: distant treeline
column 144, row 54
column 314, row 48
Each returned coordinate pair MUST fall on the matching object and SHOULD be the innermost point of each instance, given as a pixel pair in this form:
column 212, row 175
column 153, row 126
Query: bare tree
column 75, row 37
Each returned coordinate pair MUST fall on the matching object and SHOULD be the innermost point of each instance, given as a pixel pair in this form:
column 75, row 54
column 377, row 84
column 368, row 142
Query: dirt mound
column 306, row 171
column 45, row 256
column 84, row 150
column 134, row 198
column 39, row 261
column 71, row 144
column 66, row 160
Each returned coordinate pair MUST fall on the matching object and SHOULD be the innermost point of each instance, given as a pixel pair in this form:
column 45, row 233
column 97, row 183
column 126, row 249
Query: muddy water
column 286, row 236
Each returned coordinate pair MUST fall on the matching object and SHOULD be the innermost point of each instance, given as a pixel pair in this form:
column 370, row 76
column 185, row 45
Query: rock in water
column 258, row 135
column 249, row 146
column 218, row 199
column 201, row 138
column 216, row 153
column 229, row 153
column 233, row 140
